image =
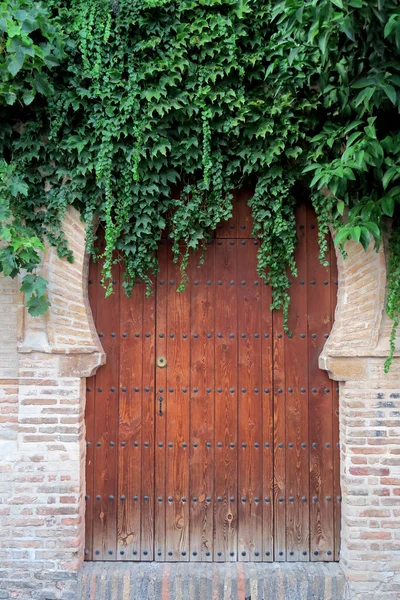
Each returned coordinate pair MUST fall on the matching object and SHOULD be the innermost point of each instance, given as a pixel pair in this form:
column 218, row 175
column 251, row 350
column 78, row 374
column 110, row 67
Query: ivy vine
column 147, row 114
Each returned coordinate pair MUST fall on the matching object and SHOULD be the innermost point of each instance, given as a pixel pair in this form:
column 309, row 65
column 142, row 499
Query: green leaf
column 390, row 93
column 37, row 305
column 16, row 64
column 388, row 176
column 374, row 229
column 388, row 204
column 28, row 97
column 338, row 3
column 340, row 207
column 341, row 235
column 365, row 238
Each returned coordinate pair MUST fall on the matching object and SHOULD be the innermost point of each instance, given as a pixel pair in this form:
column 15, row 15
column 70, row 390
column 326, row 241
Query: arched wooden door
column 211, row 434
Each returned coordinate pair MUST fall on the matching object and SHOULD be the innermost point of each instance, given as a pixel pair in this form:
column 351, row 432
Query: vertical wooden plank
column 320, row 402
column 89, row 421
column 202, row 290
column 130, row 424
column 179, row 396
column 244, row 219
column 161, row 289
column 229, row 228
column 226, row 349
column 268, row 423
column 148, row 438
column 337, row 499
column 106, row 426
column 279, row 438
column 297, row 472
column 249, row 393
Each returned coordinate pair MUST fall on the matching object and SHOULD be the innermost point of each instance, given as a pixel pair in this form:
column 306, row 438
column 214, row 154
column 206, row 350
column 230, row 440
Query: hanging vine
column 147, row 114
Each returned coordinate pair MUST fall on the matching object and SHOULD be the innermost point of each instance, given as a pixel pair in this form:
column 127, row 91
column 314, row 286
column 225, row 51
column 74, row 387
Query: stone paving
column 202, row 581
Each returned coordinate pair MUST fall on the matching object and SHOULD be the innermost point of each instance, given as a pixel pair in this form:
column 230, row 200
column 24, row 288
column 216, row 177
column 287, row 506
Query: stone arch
column 43, row 366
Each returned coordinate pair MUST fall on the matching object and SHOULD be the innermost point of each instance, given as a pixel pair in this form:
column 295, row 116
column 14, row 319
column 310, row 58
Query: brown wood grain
column 89, row 420
column 226, row 423
column 202, row 286
column 106, row 426
column 148, row 433
column 177, row 417
column 268, row 424
column 161, row 289
column 249, row 394
column 320, row 402
column 297, row 444
column 130, row 444
column 243, row 461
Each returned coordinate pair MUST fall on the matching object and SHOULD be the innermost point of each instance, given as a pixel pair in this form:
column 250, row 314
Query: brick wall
column 43, row 365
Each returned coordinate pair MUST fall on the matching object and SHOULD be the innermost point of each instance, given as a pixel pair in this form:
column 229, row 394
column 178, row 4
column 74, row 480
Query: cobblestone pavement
column 227, row 581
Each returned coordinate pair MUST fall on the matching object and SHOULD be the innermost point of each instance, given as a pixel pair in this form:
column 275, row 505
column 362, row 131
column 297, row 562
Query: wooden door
column 211, row 434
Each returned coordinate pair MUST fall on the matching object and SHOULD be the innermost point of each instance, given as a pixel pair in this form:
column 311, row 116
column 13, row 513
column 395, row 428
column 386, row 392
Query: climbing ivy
column 154, row 111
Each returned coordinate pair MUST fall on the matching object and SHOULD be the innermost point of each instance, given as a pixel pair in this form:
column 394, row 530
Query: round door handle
column 161, row 362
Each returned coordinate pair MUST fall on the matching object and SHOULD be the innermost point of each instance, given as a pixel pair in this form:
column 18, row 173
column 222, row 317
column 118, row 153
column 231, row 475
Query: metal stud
column 136, row 389
column 219, row 390
column 279, row 335
column 111, row 497
column 184, row 336
column 326, row 390
column 194, row 499
column 232, row 445
column 124, row 389
column 314, row 444
column 208, row 499
column 170, row 499
column 256, row 500
column 195, row 282
column 302, row 335
column 146, row 444
column 267, row 500
column 86, row 552
column 314, row 390
column 219, row 282
column 313, row 282
column 87, row 497
column 112, row 444
column 290, row 390
column 113, row 335
column 172, row 282
column 99, row 389
column 195, row 390
column 209, row 335
column 137, row 335
column 122, row 498
column 147, row 335
column 184, row 445
column 256, row 283
column 219, row 444
column 328, row 498
column 232, row 390
column 194, row 553
column 208, row 390
column 110, row 552
column 232, row 499
column 314, row 335
column 147, row 389
column 208, row 282
column 161, row 335
column 243, row 283
column 290, row 444
column 266, row 335
column 326, row 335
column 169, row 553
column 196, row 335
column 98, row 497
column 231, row 282
column 100, row 335
column 162, row 282
column 280, row 500
column 171, row 335
column 219, row 499
column 303, row 445
column 303, row 390
column 316, row 552
column 183, row 499
column 146, row 498
column 267, row 444
column 88, row 444
column 231, row 554
column 232, row 243
column 327, row 445
column 256, row 445
column 256, row 390
column 184, row 390
column 266, row 390
column 123, row 444
column 98, row 444
column 279, row 390
column 243, row 335
column 303, row 499
column 244, row 444
column 315, row 499
column 208, row 444
column 268, row 553
column 243, row 499
column 291, row 499
column 231, row 335
column 280, row 445
column 159, row 499
column 195, row 444
column 208, row 553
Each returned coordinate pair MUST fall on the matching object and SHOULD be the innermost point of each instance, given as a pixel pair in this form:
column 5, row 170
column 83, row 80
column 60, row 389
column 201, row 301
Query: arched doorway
column 213, row 435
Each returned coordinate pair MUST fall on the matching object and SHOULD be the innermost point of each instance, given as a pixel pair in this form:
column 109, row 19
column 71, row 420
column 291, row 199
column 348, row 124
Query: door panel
column 228, row 449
